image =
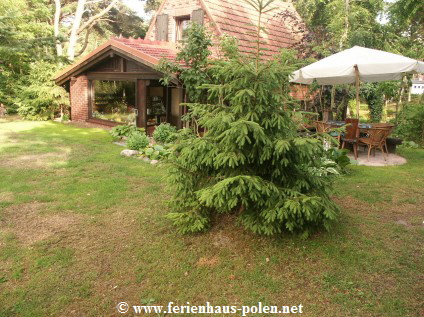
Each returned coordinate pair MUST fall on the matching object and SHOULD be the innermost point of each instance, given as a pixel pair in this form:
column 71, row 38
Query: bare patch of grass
column 30, row 225
column 208, row 261
column 41, row 160
column 6, row 196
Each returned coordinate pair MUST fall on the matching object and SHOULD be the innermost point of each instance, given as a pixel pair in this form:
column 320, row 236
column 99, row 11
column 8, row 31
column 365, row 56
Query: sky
column 138, row 7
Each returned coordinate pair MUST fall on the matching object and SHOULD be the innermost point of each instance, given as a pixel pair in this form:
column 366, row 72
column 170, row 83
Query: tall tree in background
column 406, row 22
column 26, row 36
column 339, row 24
column 87, row 18
column 152, row 5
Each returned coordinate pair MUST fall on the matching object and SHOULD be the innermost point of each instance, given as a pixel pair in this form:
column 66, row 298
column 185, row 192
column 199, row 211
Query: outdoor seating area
column 353, row 66
column 368, row 136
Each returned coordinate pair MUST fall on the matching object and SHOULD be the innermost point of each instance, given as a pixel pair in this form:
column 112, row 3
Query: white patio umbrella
column 357, row 64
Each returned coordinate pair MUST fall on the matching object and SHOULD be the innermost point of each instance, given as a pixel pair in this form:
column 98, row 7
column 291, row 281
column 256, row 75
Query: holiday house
column 118, row 82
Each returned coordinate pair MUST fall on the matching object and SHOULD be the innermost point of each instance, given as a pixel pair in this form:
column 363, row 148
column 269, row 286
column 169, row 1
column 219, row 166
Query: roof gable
column 145, row 53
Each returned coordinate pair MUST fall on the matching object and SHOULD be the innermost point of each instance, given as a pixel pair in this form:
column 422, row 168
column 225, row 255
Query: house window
column 113, row 100
column 182, row 23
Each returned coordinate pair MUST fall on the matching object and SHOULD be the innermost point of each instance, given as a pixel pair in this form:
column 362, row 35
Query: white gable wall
column 174, row 9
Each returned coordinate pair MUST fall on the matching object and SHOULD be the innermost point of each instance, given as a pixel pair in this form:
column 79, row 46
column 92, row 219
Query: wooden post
column 166, row 102
column 357, row 90
column 180, row 108
column 333, row 97
column 142, row 103
column 399, row 101
column 333, row 103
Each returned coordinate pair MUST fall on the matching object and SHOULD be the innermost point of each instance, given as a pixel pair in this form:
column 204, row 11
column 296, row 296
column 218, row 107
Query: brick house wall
column 79, row 98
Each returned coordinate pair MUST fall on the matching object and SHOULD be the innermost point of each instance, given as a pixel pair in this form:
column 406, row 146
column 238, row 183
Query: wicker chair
column 387, row 126
column 376, row 140
column 352, row 135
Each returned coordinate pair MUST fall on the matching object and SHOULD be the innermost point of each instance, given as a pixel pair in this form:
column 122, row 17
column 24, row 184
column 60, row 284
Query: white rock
column 154, row 162
column 129, row 153
column 120, row 143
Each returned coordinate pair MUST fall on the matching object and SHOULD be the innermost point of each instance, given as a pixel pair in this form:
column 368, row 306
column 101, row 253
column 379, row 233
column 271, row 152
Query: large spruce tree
column 251, row 160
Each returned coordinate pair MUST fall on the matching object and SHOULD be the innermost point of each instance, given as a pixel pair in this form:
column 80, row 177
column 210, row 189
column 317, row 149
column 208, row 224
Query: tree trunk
column 399, row 101
column 84, row 46
column 386, row 103
column 73, row 38
column 59, row 48
column 344, row 36
column 333, row 107
column 93, row 20
column 77, row 29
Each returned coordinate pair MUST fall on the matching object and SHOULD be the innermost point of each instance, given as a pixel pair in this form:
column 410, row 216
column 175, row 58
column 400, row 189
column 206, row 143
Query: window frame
column 179, row 20
column 92, row 95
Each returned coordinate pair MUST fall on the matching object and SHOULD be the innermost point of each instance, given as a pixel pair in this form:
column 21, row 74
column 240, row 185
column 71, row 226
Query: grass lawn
column 82, row 229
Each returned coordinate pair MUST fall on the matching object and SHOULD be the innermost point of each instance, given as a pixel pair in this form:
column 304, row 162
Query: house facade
column 118, row 82
column 417, row 85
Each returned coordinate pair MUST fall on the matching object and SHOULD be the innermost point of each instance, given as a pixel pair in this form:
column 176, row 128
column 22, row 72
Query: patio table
column 362, row 126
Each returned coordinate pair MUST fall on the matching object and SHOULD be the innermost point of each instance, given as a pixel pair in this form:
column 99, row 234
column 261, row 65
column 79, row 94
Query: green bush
column 339, row 156
column 121, row 131
column 40, row 98
column 65, row 118
column 137, row 141
column 156, row 152
column 374, row 98
column 408, row 145
column 165, row 133
column 411, row 123
column 184, row 134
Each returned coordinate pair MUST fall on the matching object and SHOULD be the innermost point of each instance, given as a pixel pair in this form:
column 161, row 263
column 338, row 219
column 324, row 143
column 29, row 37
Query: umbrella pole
column 357, row 90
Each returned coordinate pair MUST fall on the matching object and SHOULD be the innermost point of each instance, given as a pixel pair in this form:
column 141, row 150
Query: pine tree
column 251, row 161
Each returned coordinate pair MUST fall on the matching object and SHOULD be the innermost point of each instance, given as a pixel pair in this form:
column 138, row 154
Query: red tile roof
column 155, row 49
column 144, row 51
column 238, row 19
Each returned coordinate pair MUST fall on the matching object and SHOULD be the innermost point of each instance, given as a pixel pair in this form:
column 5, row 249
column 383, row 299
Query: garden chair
column 352, row 135
column 387, row 126
column 375, row 140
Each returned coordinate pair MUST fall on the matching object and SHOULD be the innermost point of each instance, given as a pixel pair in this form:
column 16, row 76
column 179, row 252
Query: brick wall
column 79, row 98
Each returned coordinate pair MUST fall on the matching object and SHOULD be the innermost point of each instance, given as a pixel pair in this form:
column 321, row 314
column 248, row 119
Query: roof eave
column 65, row 75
